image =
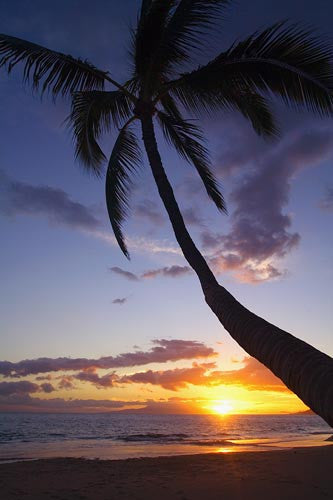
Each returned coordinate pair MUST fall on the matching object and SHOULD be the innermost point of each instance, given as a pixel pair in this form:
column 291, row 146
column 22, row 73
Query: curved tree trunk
column 304, row 370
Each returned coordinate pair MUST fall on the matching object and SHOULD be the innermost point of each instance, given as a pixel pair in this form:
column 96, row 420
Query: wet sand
column 302, row 473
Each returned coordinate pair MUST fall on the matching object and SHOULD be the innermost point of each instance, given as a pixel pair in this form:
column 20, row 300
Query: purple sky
column 67, row 290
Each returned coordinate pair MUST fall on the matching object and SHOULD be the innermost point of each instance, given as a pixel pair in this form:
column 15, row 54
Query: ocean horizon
column 27, row 436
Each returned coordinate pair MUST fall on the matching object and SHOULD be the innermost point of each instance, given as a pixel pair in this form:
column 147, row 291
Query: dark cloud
column 90, row 375
column 125, row 274
column 326, row 203
column 168, row 272
column 47, row 387
column 23, row 387
column 260, row 231
column 162, row 352
column 19, row 198
column 119, row 301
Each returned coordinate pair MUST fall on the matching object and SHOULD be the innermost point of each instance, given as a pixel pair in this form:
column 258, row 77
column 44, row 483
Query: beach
column 300, row 473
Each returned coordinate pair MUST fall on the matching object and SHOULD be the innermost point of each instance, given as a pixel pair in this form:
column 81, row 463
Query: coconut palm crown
column 283, row 60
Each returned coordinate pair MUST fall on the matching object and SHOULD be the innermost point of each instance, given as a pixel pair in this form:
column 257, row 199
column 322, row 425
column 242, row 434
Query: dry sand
column 303, row 473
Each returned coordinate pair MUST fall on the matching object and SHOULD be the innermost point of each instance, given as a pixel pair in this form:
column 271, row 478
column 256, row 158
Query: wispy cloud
column 174, row 271
column 124, row 274
column 326, row 203
column 20, row 198
column 192, row 218
column 120, row 302
column 168, row 272
column 149, row 211
column 59, row 208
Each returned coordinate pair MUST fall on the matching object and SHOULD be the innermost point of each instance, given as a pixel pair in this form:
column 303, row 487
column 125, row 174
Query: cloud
column 252, row 375
column 24, row 402
column 44, row 377
column 20, row 198
column 124, row 274
column 90, row 375
column 174, row 405
column 119, row 301
column 175, row 379
column 23, row 387
column 47, row 387
column 192, row 218
column 162, row 352
column 148, row 210
column 169, row 272
column 166, row 272
column 326, row 203
column 260, row 230
column 66, row 382
column 240, row 148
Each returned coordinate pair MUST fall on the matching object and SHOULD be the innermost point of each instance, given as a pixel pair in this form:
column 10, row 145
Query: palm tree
column 283, row 60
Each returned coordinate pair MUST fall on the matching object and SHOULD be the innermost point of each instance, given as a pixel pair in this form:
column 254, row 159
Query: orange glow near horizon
column 222, row 400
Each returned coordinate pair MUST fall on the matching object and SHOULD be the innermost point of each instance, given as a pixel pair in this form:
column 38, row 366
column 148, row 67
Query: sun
column 222, row 407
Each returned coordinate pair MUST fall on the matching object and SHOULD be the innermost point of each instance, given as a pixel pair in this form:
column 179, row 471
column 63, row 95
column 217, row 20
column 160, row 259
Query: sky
column 82, row 328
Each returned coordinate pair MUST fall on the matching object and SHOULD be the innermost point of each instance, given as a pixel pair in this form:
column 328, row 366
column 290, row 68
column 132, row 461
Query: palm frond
column 189, row 20
column 185, row 137
column 150, row 29
column 249, row 103
column 94, row 113
column 170, row 106
column 287, row 61
column 49, row 70
column 124, row 160
column 255, row 108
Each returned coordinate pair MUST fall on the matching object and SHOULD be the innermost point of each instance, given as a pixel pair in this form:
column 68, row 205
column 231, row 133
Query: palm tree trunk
column 304, row 370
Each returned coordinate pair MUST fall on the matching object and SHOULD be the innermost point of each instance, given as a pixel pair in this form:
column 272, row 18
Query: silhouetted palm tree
column 282, row 60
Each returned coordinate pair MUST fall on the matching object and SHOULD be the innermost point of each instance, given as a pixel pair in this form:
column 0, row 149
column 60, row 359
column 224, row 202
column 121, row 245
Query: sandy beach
column 302, row 473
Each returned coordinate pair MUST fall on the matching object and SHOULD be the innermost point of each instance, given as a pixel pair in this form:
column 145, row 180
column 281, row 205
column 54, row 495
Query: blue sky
column 58, row 288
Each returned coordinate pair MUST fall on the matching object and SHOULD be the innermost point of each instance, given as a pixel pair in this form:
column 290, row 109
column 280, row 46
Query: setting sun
column 222, row 407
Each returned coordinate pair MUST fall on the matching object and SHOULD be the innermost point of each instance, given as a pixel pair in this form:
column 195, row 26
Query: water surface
column 118, row 436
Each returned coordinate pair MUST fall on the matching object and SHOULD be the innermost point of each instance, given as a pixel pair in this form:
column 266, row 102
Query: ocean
column 26, row 436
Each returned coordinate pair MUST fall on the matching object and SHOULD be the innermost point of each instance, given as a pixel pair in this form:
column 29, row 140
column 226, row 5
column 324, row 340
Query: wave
column 214, row 442
column 151, row 436
column 318, row 433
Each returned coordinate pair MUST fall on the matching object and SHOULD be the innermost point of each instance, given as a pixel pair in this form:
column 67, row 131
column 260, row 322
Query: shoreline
column 297, row 473
column 113, row 450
